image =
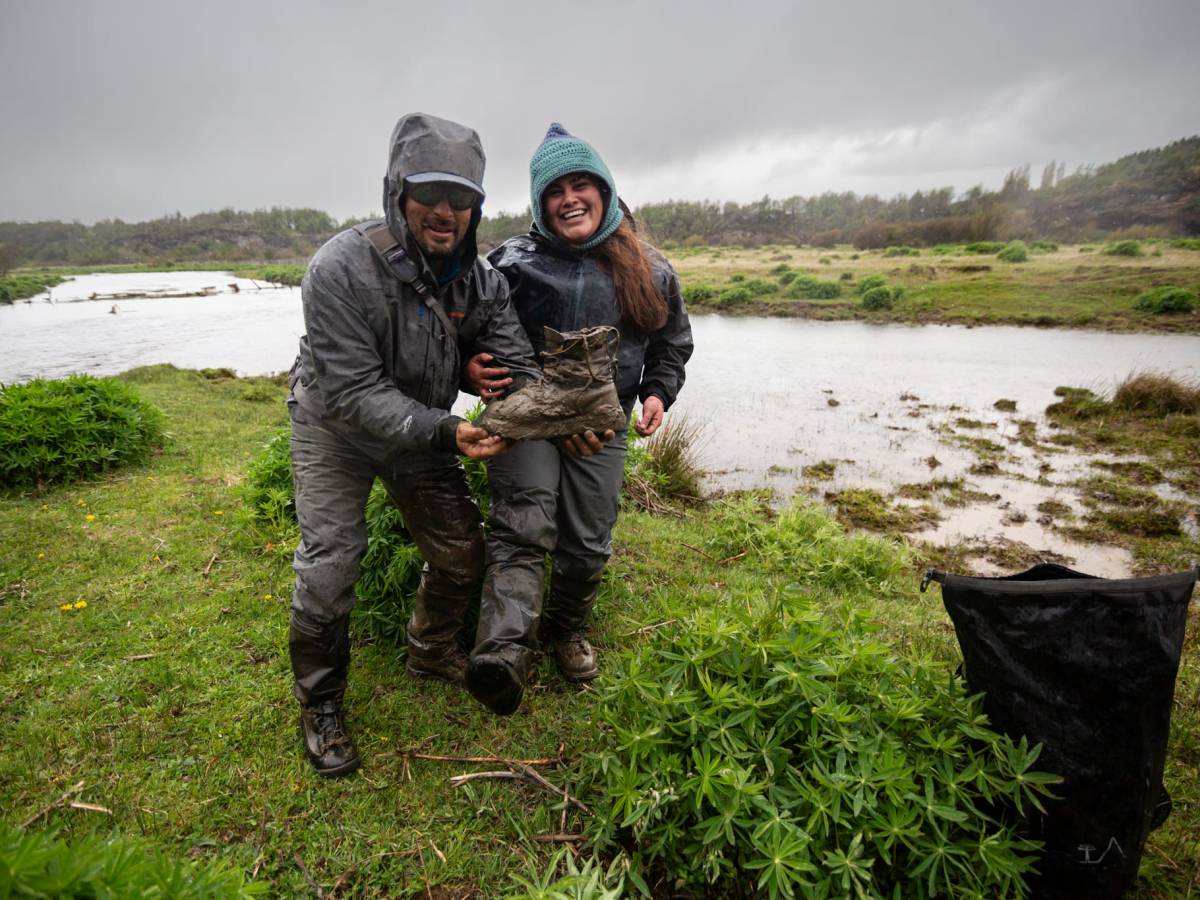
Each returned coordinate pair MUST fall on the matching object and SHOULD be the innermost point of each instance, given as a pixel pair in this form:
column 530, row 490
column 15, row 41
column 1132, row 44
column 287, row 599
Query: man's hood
column 426, row 148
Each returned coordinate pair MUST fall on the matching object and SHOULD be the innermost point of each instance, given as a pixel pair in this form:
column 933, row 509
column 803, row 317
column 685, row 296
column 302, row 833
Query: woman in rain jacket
column 581, row 265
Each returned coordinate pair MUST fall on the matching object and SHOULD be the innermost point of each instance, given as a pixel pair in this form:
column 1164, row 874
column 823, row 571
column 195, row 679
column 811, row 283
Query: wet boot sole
column 495, row 685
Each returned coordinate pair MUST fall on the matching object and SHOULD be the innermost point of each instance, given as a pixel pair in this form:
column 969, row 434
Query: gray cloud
column 132, row 110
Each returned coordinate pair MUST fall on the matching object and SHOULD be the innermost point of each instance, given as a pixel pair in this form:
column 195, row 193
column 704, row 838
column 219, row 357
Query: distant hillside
column 1151, row 193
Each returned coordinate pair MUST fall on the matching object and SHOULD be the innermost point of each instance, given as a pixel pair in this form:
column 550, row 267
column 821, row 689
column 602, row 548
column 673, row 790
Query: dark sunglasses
column 430, row 193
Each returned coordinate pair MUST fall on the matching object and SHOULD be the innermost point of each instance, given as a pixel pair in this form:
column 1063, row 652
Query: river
column 772, row 395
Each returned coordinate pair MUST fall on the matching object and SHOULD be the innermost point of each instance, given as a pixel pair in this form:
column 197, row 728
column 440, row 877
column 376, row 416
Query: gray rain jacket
column 377, row 364
column 556, row 286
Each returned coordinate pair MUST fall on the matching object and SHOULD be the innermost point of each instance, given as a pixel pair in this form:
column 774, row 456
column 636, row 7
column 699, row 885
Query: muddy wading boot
column 320, row 662
column 576, row 394
column 566, row 625
column 433, row 647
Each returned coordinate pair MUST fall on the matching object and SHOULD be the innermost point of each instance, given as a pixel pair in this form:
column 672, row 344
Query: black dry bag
column 1086, row 666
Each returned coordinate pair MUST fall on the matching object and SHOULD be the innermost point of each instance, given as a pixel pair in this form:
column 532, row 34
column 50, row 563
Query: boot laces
column 328, row 722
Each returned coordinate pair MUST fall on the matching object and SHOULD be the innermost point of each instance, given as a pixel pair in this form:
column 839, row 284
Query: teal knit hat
column 561, row 153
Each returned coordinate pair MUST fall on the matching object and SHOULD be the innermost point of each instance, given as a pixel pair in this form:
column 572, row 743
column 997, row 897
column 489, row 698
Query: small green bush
column 1043, row 246
column 806, row 286
column 878, row 298
column 760, row 286
column 983, row 248
column 788, row 277
column 780, row 269
column 772, row 744
column 1014, row 252
column 736, row 277
column 1185, row 243
column 1123, row 248
column 733, row 296
column 41, row 864
column 901, row 251
column 825, row 261
column 1164, row 300
column 945, row 249
column 871, row 282
column 58, row 431
column 698, row 293
column 846, row 276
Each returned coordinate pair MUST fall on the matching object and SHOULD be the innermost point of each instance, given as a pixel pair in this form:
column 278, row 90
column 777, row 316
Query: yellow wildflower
column 41, row 555
column 267, row 597
column 45, row 507
column 156, row 557
column 81, row 604
column 90, row 517
column 218, row 512
column 66, row 607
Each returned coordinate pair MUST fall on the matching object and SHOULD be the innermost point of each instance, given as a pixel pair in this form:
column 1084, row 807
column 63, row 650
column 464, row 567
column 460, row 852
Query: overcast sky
column 136, row 110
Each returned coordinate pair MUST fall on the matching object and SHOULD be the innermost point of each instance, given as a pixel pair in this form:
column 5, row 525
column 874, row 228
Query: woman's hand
column 586, row 444
column 487, row 382
column 652, row 416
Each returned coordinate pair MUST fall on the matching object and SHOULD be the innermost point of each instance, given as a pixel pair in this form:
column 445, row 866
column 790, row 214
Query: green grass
column 168, row 694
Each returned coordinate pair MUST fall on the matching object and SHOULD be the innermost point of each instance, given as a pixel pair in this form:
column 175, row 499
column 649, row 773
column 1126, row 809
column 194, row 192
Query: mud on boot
column 327, row 743
column 447, row 662
column 576, row 394
column 576, row 659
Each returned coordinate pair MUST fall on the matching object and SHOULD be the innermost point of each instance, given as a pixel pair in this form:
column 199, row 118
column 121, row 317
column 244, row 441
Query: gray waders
column 543, row 501
column 333, row 479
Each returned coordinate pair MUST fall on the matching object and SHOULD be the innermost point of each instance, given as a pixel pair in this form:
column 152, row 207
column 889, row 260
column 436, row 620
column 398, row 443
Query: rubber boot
column 496, row 682
column 566, row 624
column 434, row 650
column 320, row 655
column 576, row 394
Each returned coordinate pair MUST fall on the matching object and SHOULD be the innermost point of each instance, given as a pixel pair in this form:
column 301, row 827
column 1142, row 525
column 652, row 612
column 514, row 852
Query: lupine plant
column 771, row 744
column 56, row 431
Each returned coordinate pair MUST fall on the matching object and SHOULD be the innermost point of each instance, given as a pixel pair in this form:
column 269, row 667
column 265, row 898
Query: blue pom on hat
column 561, row 153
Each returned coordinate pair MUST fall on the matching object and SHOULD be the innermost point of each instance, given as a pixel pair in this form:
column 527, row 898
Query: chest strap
column 402, row 266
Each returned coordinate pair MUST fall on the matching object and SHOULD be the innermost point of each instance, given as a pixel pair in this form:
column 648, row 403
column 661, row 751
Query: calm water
column 762, row 388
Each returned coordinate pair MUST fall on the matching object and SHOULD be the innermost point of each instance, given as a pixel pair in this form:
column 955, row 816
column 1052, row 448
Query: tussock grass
column 1157, row 394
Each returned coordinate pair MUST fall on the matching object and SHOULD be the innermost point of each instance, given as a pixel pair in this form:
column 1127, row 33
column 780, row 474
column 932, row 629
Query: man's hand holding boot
column 478, row 443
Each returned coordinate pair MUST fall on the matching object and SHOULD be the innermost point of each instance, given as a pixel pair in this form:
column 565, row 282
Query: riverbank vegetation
column 1060, row 286
column 148, row 692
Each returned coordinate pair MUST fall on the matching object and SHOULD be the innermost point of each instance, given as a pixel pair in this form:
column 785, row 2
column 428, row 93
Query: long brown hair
column 643, row 309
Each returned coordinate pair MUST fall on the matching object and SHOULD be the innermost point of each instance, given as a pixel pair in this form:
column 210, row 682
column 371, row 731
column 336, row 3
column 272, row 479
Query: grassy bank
column 1070, row 286
column 164, row 687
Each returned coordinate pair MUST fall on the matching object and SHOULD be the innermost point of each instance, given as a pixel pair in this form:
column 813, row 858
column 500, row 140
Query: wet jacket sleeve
column 350, row 371
column 504, row 337
column 668, row 349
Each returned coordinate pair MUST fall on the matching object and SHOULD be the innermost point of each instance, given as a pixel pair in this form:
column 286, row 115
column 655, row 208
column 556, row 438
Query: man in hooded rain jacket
column 392, row 309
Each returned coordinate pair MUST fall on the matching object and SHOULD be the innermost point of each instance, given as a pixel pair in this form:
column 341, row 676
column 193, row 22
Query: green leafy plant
column 1014, row 252
column 1165, row 300
column 40, row 864
column 562, row 879
column 788, row 277
column 769, row 743
column 901, row 251
column 1043, row 246
column 736, row 277
column 55, row 431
